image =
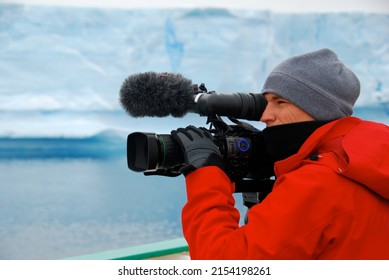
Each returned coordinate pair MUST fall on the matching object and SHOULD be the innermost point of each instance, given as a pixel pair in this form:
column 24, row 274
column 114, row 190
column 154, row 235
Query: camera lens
column 170, row 152
column 142, row 151
column 150, row 151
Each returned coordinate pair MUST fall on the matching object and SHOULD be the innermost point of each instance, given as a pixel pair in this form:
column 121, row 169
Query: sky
column 374, row 6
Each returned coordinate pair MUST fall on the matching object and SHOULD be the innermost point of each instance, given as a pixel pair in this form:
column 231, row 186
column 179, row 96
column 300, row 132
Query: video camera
column 241, row 145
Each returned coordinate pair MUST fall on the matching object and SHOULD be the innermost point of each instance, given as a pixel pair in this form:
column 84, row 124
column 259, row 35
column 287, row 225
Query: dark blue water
column 57, row 208
column 67, row 197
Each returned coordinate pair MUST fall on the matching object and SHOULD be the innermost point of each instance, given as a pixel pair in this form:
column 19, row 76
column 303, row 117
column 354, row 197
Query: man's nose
column 267, row 116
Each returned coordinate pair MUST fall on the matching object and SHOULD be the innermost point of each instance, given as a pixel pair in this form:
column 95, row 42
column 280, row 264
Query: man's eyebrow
column 275, row 98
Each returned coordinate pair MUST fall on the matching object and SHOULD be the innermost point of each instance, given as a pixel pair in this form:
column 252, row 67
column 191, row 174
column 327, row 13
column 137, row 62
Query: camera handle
column 254, row 190
column 253, row 198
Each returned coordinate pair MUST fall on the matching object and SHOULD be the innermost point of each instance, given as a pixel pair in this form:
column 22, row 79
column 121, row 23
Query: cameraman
column 331, row 195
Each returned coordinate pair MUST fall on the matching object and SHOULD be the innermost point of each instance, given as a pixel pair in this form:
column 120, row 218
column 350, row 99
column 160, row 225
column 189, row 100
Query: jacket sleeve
column 281, row 227
column 209, row 217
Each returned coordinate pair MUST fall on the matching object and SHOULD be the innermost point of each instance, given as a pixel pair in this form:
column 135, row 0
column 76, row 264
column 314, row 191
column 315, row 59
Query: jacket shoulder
column 367, row 150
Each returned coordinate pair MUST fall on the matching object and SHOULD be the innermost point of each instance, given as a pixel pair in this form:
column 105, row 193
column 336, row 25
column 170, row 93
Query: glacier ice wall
column 61, row 68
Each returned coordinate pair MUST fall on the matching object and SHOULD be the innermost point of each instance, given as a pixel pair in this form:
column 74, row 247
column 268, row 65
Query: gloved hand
column 198, row 148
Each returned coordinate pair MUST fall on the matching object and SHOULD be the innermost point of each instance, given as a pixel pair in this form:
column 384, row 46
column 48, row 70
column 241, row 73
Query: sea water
column 54, row 208
column 57, row 208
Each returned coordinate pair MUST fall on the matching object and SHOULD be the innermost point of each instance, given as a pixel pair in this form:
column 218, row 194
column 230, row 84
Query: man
column 331, row 195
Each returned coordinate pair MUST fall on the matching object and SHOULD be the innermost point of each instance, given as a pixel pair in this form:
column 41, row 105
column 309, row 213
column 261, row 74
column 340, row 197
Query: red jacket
column 333, row 207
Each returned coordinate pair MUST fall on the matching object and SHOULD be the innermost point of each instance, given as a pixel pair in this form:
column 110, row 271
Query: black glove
column 198, row 148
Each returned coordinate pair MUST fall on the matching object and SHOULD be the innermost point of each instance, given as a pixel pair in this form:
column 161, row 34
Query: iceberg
column 61, row 68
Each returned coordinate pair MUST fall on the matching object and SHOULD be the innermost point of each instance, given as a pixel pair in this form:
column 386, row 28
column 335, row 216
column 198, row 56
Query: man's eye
column 282, row 102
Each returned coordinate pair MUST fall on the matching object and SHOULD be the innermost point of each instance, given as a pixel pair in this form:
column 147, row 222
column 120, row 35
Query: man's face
column 281, row 111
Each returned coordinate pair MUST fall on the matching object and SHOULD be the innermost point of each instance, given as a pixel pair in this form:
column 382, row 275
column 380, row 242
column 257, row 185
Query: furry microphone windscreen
column 156, row 95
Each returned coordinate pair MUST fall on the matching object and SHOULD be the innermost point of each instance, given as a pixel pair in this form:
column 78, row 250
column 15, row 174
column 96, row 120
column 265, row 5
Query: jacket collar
column 284, row 140
column 316, row 142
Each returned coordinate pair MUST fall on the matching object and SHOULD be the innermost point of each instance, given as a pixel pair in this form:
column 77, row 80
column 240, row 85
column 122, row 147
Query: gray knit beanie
column 316, row 82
